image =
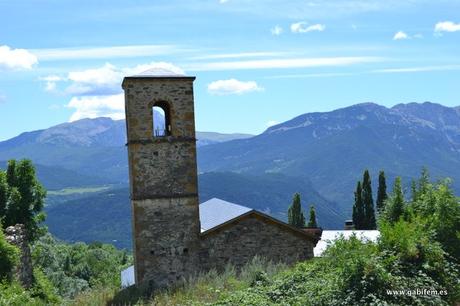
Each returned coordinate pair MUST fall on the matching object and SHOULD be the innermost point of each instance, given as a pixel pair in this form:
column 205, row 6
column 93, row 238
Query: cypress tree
column 396, row 206
column 381, row 192
column 11, row 173
column 3, row 195
column 368, row 202
column 312, row 222
column 295, row 215
column 358, row 208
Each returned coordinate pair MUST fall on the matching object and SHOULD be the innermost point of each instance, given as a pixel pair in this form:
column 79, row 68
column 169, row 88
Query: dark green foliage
column 295, row 214
column 395, row 205
column 358, row 208
column 43, row 289
column 3, row 195
column 368, row 202
column 353, row 272
column 24, row 198
column 9, row 257
column 440, row 210
column 73, row 268
column 312, row 221
column 11, row 173
column 381, row 192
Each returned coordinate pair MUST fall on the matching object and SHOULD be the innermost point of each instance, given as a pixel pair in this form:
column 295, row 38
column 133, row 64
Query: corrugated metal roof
column 216, row 211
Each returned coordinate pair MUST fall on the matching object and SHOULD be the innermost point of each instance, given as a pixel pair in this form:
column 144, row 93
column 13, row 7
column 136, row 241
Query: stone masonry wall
column 16, row 235
column 163, row 180
column 239, row 243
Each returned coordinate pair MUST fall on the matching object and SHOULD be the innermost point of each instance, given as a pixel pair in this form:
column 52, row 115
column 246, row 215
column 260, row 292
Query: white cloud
column 2, row 98
column 152, row 66
column 16, row 59
column 223, row 1
column 447, row 26
column 105, row 80
column 283, row 63
column 232, row 86
column 97, row 92
column 51, row 78
column 112, row 106
column 98, row 81
column 400, row 35
column 277, row 30
column 105, row 52
column 272, row 123
column 418, row 69
column 303, row 27
column 238, row 55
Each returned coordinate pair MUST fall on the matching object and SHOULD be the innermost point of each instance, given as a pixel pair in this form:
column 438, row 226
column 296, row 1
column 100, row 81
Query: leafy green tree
column 312, row 221
column 3, row 195
column 358, row 208
column 437, row 205
column 395, row 205
column 9, row 257
column 368, row 202
column 295, row 215
column 381, row 192
column 11, row 173
column 25, row 198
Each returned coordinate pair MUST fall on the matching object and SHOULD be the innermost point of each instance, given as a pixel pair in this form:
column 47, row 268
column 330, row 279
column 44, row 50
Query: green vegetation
column 363, row 208
column 60, row 271
column 79, row 190
column 312, row 221
column 74, row 268
column 295, row 214
column 381, row 192
column 9, row 256
column 417, row 251
column 22, row 197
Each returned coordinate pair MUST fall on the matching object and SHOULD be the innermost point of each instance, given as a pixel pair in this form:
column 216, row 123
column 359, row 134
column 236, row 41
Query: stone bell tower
column 163, row 176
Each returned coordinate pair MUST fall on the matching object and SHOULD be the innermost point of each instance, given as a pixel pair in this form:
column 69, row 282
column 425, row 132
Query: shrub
column 9, row 257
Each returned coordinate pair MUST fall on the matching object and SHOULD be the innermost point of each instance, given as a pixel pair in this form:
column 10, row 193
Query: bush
column 9, row 257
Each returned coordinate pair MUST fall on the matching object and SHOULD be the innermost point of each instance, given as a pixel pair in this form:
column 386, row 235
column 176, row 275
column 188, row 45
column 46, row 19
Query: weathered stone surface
column 16, row 235
column 239, row 242
column 166, row 236
column 163, row 180
column 168, row 246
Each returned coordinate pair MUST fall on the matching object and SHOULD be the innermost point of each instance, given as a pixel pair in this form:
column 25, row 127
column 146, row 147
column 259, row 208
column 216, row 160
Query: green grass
column 78, row 190
column 204, row 289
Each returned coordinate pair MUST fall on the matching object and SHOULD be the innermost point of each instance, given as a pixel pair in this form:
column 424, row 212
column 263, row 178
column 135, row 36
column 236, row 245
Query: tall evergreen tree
column 396, row 206
column 368, row 202
column 295, row 215
column 413, row 188
column 358, row 208
column 381, row 192
column 3, row 195
column 312, row 222
column 11, row 173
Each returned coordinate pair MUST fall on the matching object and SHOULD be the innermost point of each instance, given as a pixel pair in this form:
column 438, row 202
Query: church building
column 174, row 237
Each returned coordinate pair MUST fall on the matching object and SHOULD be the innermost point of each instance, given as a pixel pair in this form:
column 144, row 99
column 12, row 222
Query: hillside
column 332, row 149
column 325, row 152
column 77, row 145
column 106, row 216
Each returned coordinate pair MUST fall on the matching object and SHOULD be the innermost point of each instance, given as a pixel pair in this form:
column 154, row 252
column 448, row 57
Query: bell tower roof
column 159, row 73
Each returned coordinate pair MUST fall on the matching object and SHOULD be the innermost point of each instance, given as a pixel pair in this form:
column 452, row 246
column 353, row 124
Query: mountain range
column 321, row 155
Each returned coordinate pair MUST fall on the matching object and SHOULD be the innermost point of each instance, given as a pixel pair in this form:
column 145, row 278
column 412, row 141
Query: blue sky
column 257, row 62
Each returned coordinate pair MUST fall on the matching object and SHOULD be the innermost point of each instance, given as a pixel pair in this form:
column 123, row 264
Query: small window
column 161, row 120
